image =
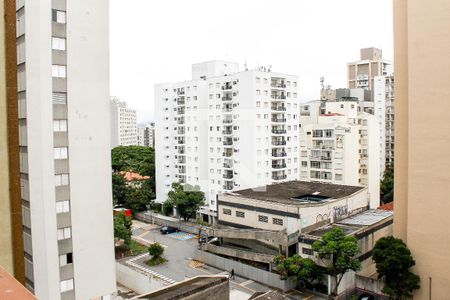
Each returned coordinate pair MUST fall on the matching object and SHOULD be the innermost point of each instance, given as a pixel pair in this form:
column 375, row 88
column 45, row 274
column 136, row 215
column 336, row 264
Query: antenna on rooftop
column 245, row 65
column 322, row 80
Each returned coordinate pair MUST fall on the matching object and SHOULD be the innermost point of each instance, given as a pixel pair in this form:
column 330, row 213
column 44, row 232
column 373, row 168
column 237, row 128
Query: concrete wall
column 161, row 220
column 137, row 281
column 247, row 271
column 422, row 139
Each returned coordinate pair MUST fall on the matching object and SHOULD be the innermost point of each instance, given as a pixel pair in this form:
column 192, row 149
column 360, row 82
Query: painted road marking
column 147, row 270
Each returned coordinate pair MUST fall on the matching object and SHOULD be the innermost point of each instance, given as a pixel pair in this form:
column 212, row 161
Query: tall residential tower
column 65, row 167
column 422, row 139
column 225, row 130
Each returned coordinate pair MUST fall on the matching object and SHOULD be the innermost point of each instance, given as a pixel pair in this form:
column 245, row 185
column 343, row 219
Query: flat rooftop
column 354, row 223
column 299, row 192
column 185, row 288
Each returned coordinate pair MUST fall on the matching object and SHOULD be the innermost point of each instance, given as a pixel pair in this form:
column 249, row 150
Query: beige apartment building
column 361, row 73
column 422, row 139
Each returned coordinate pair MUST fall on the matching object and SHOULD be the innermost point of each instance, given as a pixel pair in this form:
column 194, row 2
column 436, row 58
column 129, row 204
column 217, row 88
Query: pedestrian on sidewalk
column 232, row 274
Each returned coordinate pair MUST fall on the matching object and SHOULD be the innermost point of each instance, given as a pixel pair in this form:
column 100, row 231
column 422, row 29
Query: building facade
column 11, row 241
column 340, row 146
column 383, row 95
column 422, row 140
column 226, row 129
column 124, row 130
column 65, row 166
column 146, row 135
column 149, row 135
column 361, row 73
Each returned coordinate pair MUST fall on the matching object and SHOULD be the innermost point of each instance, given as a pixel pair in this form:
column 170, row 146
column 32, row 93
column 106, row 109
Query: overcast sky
column 154, row 41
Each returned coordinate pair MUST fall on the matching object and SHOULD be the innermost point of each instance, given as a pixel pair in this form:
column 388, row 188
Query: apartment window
column 304, row 163
column 226, row 211
column 65, row 259
column 59, row 71
column 60, row 153
column 307, row 251
column 64, row 233
column 240, row 214
column 294, row 83
column 58, row 16
column 66, row 285
column 58, row 43
column 277, row 221
column 61, row 179
column 263, row 219
column 59, row 125
column 62, row 206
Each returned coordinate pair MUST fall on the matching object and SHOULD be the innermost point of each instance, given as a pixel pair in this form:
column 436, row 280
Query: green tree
column 302, row 269
column 186, row 199
column 119, row 187
column 387, row 186
column 155, row 250
column 338, row 252
column 393, row 260
column 137, row 198
column 122, row 228
column 137, row 159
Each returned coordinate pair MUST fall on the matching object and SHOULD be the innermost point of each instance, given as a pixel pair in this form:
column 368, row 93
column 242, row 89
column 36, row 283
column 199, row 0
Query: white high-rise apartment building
column 123, row 124
column 149, row 135
column 63, row 85
column 140, row 136
column 226, row 130
column 341, row 146
column 384, row 111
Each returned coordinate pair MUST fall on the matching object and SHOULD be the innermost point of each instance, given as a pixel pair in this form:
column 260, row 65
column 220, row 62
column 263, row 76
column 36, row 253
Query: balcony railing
column 278, row 166
column 228, row 142
column 278, row 84
column 227, row 187
column 227, row 154
column 227, row 121
column 228, row 176
column 279, row 120
column 227, row 132
column 227, row 98
column 279, row 131
column 275, row 96
column 181, row 141
column 279, row 177
column 279, row 108
column 227, row 86
column 278, row 143
column 279, row 154
column 227, row 109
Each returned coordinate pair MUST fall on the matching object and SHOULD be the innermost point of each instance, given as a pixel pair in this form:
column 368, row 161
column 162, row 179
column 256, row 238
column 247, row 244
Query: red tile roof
column 387, row 206
column 130, row 176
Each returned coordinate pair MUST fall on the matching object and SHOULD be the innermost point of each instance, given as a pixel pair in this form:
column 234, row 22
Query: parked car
column 168, row 229
column 207, row 239
column 124, row 210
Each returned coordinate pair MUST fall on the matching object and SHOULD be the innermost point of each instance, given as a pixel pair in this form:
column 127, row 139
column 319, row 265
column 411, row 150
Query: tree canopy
column 136, row 159
column 186, row 199
column 338, row 252
column 393, row 260
column 387, row 186
column 304, row 270
column 122, row 228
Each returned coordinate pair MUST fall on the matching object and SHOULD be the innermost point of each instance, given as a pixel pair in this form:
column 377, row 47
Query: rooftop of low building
column 185, row 288
column 299, row 192
column 355, row 223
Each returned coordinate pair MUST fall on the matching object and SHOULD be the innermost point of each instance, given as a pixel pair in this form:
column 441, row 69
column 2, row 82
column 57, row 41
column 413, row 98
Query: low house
column 133, row 179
